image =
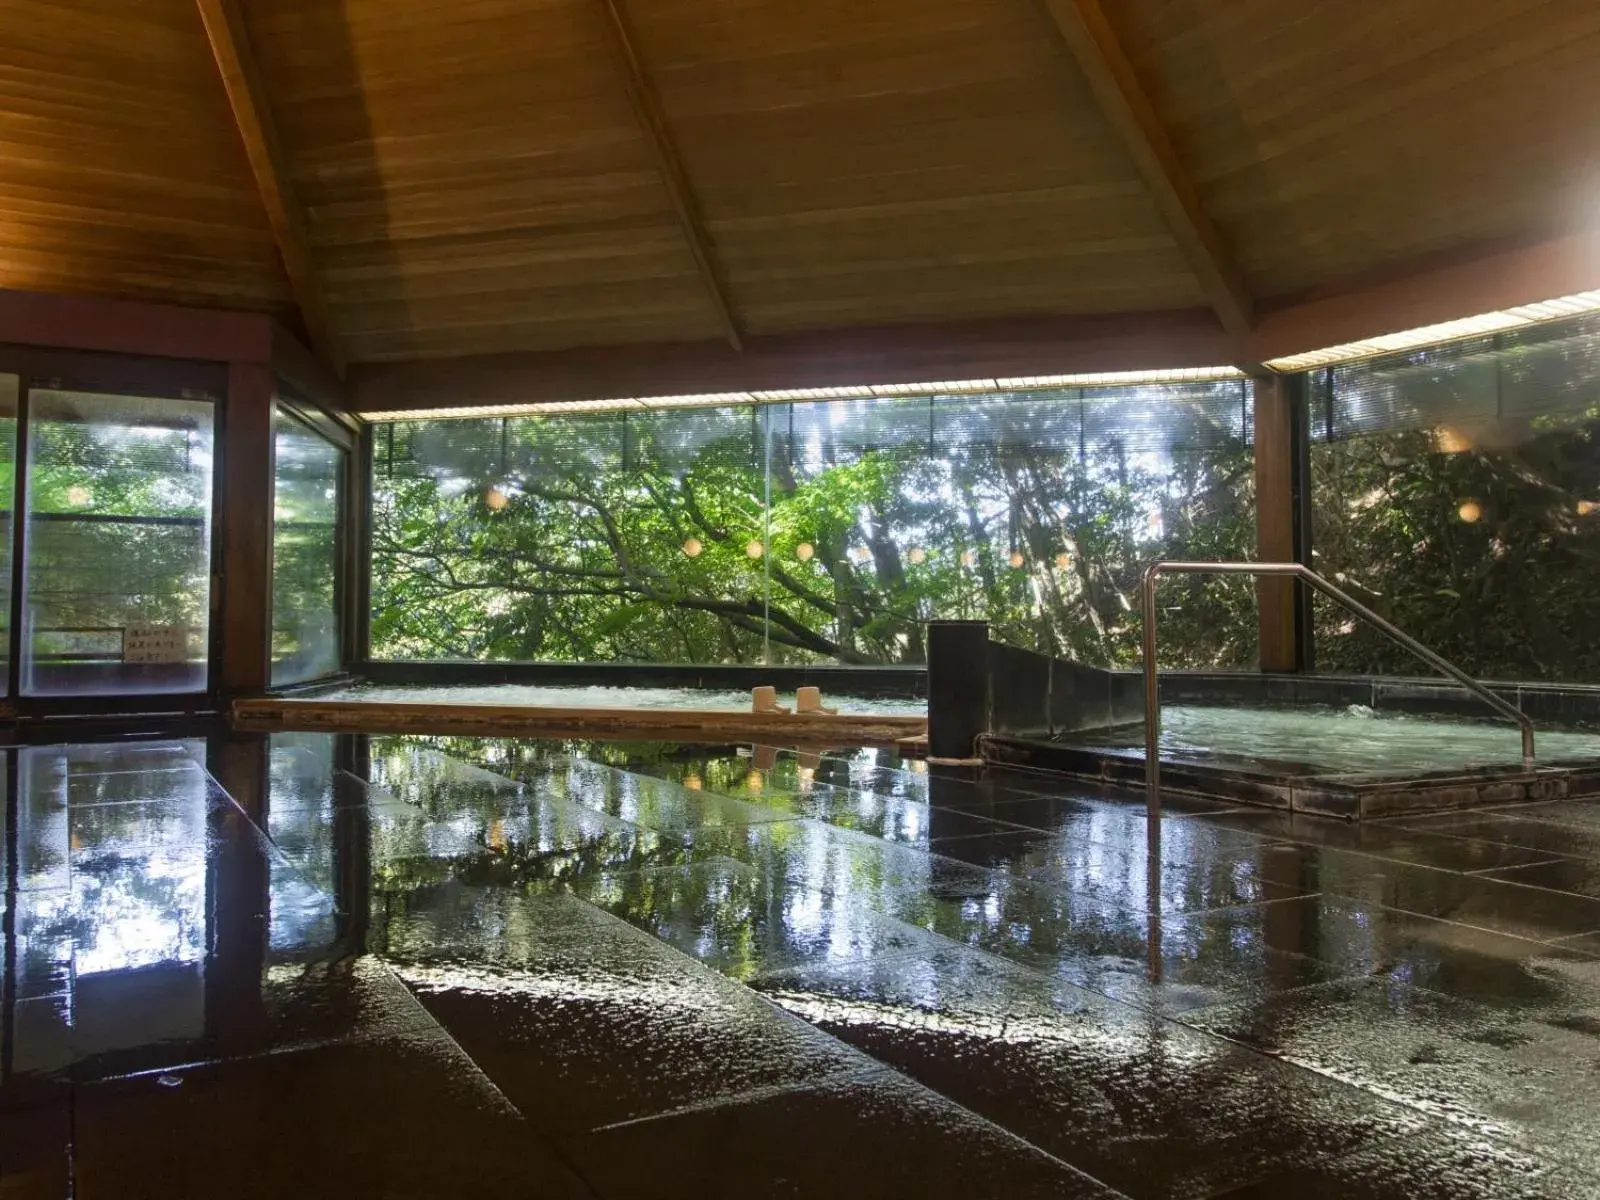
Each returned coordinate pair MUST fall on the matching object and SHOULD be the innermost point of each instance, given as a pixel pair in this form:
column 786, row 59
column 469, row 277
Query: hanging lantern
column 1016, row 559
column 754, row 549
column 917, row 555
column 496, row 499
column 1063, row 561
column 692, row 547
column 1470, row 511
column 804, row 551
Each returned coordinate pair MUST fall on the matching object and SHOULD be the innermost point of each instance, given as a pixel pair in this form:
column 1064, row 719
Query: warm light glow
column 1016, row 559
column 692, row 782
column 1016, row 383
column 1470, row 512
column 754, row 781
column 1447, row 331
column 861, row 554
column 79, row 497
column 969, row 558
column 754, row 549
column 804, row 551
column 496, row 499
column 692, row 547
column 917, row 555
column 1585, row 507
column 1451, row 441
column 1063, row 560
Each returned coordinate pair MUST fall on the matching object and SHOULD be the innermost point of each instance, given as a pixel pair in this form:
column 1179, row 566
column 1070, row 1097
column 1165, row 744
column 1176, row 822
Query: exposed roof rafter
column 252, row 113
column 647, row 107
column 1093, row 43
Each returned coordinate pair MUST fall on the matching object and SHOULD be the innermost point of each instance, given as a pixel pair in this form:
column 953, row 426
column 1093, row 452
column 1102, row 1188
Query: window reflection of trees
column 647, row 536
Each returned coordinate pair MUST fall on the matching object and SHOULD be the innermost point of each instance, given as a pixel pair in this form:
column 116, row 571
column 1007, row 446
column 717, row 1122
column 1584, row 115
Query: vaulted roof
column 428, row 179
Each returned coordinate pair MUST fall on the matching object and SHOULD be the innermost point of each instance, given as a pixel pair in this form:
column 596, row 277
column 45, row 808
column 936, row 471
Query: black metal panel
column 958, row 687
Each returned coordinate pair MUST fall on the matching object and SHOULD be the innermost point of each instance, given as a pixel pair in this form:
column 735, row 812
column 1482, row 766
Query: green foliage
column 1511, row 594
column 546, row 555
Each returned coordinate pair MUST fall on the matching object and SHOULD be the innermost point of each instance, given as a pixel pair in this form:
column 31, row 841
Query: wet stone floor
column 310, row 965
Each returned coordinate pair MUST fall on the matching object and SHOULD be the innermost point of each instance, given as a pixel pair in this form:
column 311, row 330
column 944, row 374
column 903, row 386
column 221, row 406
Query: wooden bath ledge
column 689, row 725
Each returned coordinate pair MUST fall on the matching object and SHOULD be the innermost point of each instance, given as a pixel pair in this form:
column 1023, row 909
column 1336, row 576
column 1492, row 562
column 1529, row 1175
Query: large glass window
column 9, row 396
column 118, row 544
column 305, row 553
column 823, row 531
column 1456, row 490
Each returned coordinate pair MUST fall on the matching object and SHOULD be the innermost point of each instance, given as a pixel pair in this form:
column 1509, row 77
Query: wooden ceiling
column 432, row 179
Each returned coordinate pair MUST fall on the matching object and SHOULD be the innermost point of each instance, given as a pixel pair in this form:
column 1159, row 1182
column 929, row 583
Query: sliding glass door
column 307, row 475
column 10, row 399
column 117, row 545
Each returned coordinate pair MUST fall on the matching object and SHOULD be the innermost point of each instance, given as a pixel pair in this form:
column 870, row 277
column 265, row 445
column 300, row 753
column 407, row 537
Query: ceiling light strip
column 1019, row 383
column 1480, row 325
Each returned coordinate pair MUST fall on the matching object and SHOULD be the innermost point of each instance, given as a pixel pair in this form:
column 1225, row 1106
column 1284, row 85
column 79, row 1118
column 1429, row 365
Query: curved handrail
column 1152, row 697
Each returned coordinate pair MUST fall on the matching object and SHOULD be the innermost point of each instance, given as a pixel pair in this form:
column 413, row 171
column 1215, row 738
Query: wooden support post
column 246, row 584
column 1275, row 517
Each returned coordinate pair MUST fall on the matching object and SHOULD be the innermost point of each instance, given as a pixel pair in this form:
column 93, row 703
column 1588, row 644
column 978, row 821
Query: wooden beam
column 1093, row 43
column 252, row 113
column 1015, row 346
column 1480, row 279
column 133, row 327
column 1471, row 282
column 647, row 107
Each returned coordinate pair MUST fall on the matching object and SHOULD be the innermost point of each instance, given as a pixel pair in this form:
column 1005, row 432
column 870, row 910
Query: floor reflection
column 1047, row 959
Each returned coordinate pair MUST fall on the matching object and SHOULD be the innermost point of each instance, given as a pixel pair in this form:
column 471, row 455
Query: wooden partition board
column 689, row 725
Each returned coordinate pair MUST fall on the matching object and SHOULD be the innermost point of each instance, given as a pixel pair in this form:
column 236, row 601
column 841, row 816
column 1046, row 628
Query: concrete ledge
column 704, row 725
column 1349, row 797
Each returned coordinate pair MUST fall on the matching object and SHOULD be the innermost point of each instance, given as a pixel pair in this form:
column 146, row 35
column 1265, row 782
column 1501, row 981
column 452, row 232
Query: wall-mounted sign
column 155, row 644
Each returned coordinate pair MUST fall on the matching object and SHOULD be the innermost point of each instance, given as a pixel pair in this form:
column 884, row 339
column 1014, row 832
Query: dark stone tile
column 1200, row 867
column 610, row 1027
column 912, row 823
column 814, row 856
column 1586, row 943
column 656, row 804
column 1433, row 1165
column 1512, row 827
column 1148, row 1106
column 1526, row 912
column 743, row 920
column 1576, row 877
column 1582, row 814
column 1513, row 1074
column 1382, row 839
column 880, row 1136
column 405, row 1116
column 1202, row 958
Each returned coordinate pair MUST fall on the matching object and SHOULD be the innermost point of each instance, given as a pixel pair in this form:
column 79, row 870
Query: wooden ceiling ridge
column 252, row 113
column 1093, row 43
column 647, row 108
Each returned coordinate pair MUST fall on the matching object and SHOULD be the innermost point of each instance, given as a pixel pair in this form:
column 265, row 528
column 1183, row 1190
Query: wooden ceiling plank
column 252, row 111
column 647, row 107
column 1093, row 44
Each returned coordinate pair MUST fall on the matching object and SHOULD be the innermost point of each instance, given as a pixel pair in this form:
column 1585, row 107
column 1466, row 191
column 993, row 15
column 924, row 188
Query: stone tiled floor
column 310, row 965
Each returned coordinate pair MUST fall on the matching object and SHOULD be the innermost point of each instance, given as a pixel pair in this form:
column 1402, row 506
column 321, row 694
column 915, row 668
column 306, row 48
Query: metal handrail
column 1152, row 697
